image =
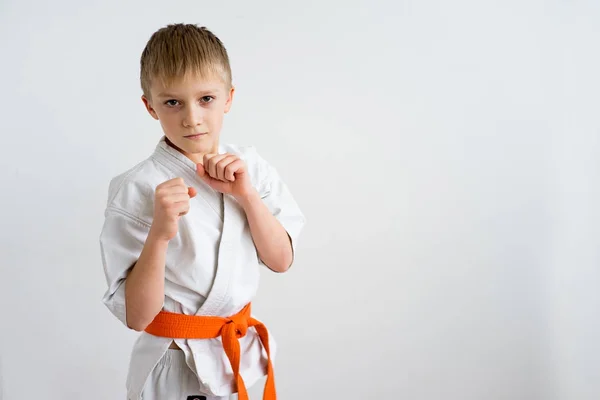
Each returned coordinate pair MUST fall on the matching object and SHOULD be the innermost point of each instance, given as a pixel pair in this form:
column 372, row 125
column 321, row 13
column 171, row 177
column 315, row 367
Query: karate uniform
column 212, row 265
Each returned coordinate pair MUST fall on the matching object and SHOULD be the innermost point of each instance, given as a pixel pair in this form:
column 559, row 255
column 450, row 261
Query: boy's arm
column 274, row 218
column 270, row 237
column 134, row 253
column 145, row 283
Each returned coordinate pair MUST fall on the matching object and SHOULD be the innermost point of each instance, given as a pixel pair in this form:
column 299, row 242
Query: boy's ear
column 149, row 107
column 229, row 100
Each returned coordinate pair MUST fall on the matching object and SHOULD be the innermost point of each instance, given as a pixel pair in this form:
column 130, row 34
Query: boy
column 187, row 229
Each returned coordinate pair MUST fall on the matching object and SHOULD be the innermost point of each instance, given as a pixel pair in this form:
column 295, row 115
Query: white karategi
column 212, row 265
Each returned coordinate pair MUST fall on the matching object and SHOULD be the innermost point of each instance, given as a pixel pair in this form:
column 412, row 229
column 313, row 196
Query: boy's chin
column 194, row 146
column 203, row 146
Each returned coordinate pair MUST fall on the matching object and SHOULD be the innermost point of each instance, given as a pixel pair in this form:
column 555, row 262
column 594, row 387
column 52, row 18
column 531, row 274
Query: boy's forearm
column 269, row 236
column 145, row 284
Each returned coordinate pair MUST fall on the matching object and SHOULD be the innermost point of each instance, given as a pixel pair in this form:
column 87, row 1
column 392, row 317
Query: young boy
column 187, row 229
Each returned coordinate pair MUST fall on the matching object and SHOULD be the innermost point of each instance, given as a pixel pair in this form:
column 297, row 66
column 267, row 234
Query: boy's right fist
column 171, row 201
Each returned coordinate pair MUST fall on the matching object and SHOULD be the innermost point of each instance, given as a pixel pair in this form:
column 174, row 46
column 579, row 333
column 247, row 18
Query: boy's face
column 191, row 111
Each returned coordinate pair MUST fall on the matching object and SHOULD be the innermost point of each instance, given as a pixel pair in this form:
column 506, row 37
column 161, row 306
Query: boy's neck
column 197, row 158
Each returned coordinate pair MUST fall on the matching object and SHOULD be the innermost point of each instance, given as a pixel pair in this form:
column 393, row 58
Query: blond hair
column 180, row 49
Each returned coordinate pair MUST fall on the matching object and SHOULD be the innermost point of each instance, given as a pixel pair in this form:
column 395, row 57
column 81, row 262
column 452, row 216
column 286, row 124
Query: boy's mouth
column 196, row 135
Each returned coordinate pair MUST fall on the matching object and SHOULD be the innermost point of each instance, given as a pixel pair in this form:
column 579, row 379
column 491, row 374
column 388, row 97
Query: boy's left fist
column 225, row 173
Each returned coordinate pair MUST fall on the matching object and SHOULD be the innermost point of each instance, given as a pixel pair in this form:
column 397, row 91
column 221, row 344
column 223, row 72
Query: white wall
column 445, row 154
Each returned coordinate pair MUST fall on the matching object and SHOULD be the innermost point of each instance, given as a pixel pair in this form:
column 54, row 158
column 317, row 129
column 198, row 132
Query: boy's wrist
column 155, row 240
column 247, row 199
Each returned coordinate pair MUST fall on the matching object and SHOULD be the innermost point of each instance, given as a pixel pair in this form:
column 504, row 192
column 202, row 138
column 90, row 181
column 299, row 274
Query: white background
column 445, row 154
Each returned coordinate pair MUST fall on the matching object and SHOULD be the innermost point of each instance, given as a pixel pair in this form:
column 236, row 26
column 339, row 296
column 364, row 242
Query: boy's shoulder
column 131, row 190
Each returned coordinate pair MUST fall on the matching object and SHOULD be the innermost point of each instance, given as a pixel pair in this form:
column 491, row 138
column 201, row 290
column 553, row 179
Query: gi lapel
column 233, row 226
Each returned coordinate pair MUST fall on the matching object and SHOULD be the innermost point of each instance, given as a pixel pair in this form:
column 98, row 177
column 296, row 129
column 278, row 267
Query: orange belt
column 180, row 326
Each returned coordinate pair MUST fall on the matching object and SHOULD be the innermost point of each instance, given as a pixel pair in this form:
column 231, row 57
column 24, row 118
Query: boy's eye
column 171, row 103
column 207, row 99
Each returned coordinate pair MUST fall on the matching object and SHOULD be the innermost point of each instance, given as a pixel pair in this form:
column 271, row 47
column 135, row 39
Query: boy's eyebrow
column 165, row 95
column 202, row 92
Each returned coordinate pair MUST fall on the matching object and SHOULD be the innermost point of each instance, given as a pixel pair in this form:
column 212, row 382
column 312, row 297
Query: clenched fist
column 171, row 201
column 225, row 173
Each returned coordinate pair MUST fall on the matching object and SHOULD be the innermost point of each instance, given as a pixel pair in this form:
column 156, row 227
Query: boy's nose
column 194, row 117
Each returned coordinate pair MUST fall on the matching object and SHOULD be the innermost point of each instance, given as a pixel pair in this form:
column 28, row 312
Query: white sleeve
column 279, row 200
column 121, row 242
